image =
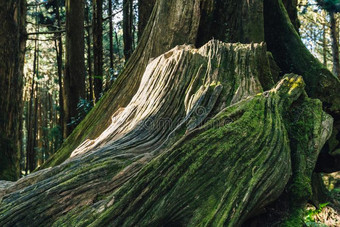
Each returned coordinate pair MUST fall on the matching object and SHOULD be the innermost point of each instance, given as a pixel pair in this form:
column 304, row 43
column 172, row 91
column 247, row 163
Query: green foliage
column 84, row 106
column 330, row 5
column 311, row 213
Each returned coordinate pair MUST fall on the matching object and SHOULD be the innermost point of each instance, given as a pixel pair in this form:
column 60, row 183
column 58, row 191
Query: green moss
column 300, row 189
column 198, row 181
column 291, row 55
column 295, row 219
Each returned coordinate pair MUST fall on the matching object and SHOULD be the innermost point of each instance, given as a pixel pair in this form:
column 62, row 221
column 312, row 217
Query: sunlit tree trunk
column 59, row 53
column 324, row 44
column 335, row 45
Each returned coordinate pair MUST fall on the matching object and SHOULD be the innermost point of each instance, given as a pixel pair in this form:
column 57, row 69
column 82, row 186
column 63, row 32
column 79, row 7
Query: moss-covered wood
column 192, row 136
column 195, row 146
column 293, row 57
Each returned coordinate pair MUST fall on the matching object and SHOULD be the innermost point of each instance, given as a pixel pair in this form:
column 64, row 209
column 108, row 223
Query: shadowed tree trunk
column 74, row 80
column 12, row 53
column 89, row 56
column 144, row 12
column 206, row 135
column 110, row 32
column 291, row 7
column 98, row 47
column 128, row 28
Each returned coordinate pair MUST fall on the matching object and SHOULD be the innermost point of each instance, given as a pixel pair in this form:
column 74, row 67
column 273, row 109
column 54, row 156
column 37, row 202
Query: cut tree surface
column 200, row 143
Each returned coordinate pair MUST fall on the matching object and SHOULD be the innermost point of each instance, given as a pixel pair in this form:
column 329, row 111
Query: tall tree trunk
column 324, row 44
column 335, row 45
column 118, row 45
column 74, row 80
column 30, row 152
column 127, row 28
column 291, row 7
column 29, row 139
column 98, row 47
column 144, row 12
column 59, row 52
column 110, row 32
column 12, row 49
column 89, row 56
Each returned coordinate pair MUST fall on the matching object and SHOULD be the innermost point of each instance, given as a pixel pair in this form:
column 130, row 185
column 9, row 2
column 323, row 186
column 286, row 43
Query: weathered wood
column 160, row 35
column 199, row 118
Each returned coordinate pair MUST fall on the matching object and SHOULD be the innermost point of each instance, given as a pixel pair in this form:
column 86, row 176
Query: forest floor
column 326, row 215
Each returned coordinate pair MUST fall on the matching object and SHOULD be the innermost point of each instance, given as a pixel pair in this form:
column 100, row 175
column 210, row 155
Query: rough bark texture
column 292, row 56
column 128, row 28
column 97, row 21
column 110, row 32
column 12, row 48
column 144, row 12
column 192, row 25
column 74, row 81
column 191, row 137
column 198, row 123
column 291, row 7
column 231, row 21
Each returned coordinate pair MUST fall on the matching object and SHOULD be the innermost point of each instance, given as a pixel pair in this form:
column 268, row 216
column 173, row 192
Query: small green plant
column 311, row 213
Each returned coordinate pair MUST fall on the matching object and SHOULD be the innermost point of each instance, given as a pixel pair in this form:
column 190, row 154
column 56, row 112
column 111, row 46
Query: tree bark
column 59, row 52
column 127, row 28
column 324, row 44
column 292, row 56
column 189, row 136
column 89, row 57
column 291, row 7
column 145, row 8
column 153, row 176
column 98, row 47
column 12, row 48
column 335, row 45
column 74, row 80
column 110, row 33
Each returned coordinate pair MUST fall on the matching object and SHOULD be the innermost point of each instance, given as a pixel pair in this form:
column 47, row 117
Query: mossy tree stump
column 224, row 153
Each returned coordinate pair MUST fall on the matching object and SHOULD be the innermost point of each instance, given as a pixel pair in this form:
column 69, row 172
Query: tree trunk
column 12, row 48
column 189, row 136
column 98, row 47
column 144, row 12
column 127, row 28
column 59, row 52
column 89, row 57
column 324, row 44
column 292, row 56
column 291, row 7
column 74, row 80
column 335, row 45
column 110, row 32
